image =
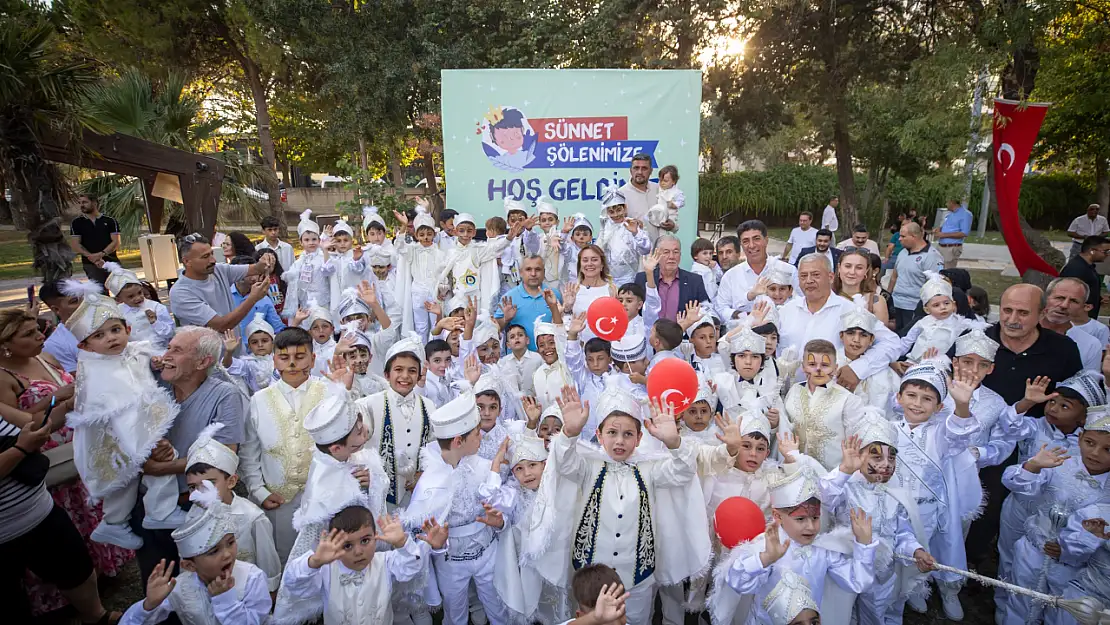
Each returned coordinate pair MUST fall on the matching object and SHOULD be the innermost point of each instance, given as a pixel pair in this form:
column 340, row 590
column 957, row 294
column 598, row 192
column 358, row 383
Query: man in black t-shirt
column 1082, row 266
column 95, row 237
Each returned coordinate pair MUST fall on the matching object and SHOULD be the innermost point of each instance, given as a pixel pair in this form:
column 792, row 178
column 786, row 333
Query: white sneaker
column 918, row 604
column 118, row 535
column 950, row 601
column 171, row 522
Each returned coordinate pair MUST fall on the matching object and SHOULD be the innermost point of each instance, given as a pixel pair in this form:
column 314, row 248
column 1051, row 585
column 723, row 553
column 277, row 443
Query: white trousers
column 638, row 607
column 879, row 605
column 1026, row 569
column 159, row 501
column 673, row 601
column 454, row 577
column 421, row 319
column 281, row 518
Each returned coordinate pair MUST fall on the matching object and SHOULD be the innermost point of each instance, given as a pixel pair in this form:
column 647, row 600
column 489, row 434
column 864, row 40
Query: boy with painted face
column 346, row 579
column 472, row 266
column 213, row 463
column 857, row 334
column 860, row 482
column 624, row 240
column 120, row 413
column 1054, row 484
column 277, row 450
column 933, row 438
column 577, row 233
column 310, row 276
column 422, row 265
column 751, row 568
column 941, row 324
column 213, row 586
column 455, row 486
column 820, row 411
column 149, row 320
column 738, row 390
column 635, row 509
column 350, row 267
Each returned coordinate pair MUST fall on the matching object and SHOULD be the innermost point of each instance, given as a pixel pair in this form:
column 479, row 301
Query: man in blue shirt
column 956, row 228
column 239, row 292
column 527, row 300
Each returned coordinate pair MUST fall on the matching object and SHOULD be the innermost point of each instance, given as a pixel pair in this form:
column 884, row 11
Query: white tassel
column 72, row 287
column 205, row 495
column 306, row 215
column 112, row 267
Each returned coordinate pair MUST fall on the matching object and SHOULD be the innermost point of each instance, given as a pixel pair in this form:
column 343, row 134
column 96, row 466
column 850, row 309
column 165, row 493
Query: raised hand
column 568, row 225
column 1036, row 390
column 472, row 369
column 159, row 585
column 368, row 293
column 961, row 388
column 788, row 444
column 924, row 560
column 152, row 317
column 340, row 372
column 575, row 411
column 508, row 308
column 492, row 517
column 760, row 311
column 221, row 584
column 577, row 324
column 231, row 340
column 648, row 262
column 470, row 312
column 690, row 316
column 356, row 252
column 663, row 424
column 392, row 531
column 850, row 460
column 550, row 299
column 773, row 549
column 532, row 411
column 760, row 288
column 300, row 316
column 610, row 604
column 499, row 458
column 570, row 293
column 932, row 352
column 1046, row 459
column 730, row 433
column 632, row 225
column 861, row 526
column 434, row 308
column 329, row 549
column 434, row 534
column 1096, row 527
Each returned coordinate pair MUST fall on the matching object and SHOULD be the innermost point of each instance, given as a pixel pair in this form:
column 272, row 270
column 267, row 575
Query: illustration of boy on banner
column 507, row 138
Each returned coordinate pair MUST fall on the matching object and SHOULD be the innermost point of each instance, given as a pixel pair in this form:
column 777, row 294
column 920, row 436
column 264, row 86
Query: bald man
column 916, row 257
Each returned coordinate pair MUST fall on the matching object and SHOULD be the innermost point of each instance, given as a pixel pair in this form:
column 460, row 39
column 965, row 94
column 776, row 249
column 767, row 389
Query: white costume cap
column 1089, row 386
column 523, row 445
column 410, row 344
column 370, row 215
column 512, row 205
column 95, row 309
column 206, row 524
column 772, row 316
column 976, row 341
column 456, row 417
column 857, row 316
column 1098, row 419
column 580, row 221
column 552, row 411
column 423, row 219
column 744, row 341
column 753, row 422
column 932, row 371
column 316, row 312
column 212, row 452
column 874, row 427
column 306, row 224
column 464, row 218
column 934, row 286
column 352, row 304
column 342, row 226
column 120, row 278
column 617, row 397
column 612, row 196
column 794, row 489
column 705, row 393
column 484, row 332
column 487, row 383
column 630, row 348
column 778, row 272
column 543, row 328
column 379, row 255
column 359, row 337
column 457, row 302
column 544, row 205
column 707, row 319
column 331, row 419
column 789, row 598
column 259, row 324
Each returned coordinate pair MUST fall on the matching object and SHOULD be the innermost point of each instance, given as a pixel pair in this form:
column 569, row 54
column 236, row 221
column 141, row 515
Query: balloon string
column 990, row 581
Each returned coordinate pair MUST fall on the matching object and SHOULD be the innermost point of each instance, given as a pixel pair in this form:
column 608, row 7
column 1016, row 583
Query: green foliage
column 370, row 189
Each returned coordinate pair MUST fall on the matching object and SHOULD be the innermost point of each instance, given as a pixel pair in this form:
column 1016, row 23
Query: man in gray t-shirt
column 916, row 257
column 202, row 295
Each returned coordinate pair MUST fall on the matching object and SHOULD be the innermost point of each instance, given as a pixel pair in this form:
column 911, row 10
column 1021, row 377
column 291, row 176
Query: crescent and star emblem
column 612, row 325
column 1006, row 148
column 666, row 396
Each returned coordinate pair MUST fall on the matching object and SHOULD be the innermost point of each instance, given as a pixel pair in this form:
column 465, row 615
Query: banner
column 1016, row 125
column 566, row 135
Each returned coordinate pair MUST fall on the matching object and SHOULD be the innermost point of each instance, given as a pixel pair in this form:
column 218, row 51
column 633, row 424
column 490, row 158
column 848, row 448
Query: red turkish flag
column 1016, row 125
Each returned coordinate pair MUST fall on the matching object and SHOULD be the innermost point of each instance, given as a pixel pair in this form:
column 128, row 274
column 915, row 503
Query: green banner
column 566, row 135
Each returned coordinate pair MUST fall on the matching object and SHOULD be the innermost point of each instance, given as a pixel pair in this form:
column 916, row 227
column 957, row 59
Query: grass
column 15, row 257
column 994, row 283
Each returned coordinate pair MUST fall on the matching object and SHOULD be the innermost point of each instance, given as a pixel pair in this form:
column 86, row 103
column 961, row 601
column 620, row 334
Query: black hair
column 446, row 214
column 876, row 261
column 758, row 436
column 921, row 384
column 598, row 345
column 510, row 327
column 765, row 329
column 351, row 519
column 240, row 244
column 269, row 221
column 588, row 582
column 669, row 332
column 340, row 441
column 751, row 224
column 510, row 118
column 200, row 468
column 389, row 361
column 633, row 289
column 641, row 156
column 374, row 225
column 728, row 240
column 806, row 214
column 860, row 228
column 293, row 337
column 979, row 300
column 824, row 232
column 50, row 291
column 959, row 278
column 434, row 346
column 489, row 392
column 1072, row 394
column 1092, row 242
column 242, row 259
column 277, row 269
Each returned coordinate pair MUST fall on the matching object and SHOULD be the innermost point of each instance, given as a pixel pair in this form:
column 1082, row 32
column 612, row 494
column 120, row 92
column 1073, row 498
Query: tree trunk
column 363, row 161
column 430, row 176
column 5, row 205
column 1102, row 184
column 36, row 201
column 265, row 137
column 395, row 169
column 845, row 175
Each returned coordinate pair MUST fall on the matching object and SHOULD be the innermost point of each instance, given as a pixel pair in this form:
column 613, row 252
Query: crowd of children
column 406, row 453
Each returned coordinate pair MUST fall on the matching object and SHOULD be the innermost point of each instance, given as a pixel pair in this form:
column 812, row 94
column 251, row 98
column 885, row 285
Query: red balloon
column 607, row 319
column 738, row 520
column 674, row 381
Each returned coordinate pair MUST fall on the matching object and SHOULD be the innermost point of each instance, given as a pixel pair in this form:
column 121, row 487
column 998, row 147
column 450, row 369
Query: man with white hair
column 677, row 287
column 816, row 315
column 1066, row 299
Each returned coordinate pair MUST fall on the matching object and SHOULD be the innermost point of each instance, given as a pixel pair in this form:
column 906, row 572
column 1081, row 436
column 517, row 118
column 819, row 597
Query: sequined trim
column 645, row 535
column 388, row 451
column 585, row 538
column 294, row 447
column 813, row 434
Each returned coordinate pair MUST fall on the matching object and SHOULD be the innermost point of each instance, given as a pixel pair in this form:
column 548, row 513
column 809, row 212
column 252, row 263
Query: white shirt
column 520, row 371
column 1085, row 227
column 638, row 203
column 1090, row 348
column 869, row 245
column 1096, row 329
column 283, row 250
column 732, row 296
column 799, row 326
column 829, row 220
column 799, row 240
column 708, row 278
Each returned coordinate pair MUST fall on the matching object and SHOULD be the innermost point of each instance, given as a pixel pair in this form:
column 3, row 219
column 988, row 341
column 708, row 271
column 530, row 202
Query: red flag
column 1016, row 125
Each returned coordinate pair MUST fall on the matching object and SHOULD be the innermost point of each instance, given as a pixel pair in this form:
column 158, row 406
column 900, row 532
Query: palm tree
column 41, row 93
column 164, row 112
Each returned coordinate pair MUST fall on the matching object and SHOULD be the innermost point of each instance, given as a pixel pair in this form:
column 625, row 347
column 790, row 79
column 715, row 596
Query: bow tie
column 406, row 401
column 352, row 579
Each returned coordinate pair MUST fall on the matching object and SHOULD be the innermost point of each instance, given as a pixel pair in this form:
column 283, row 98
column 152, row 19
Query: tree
column 41, row 93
